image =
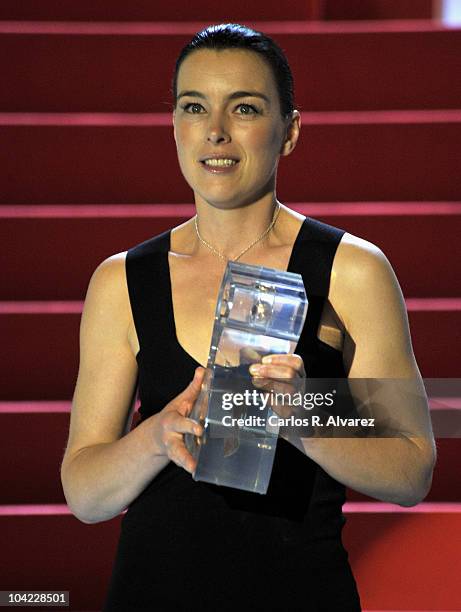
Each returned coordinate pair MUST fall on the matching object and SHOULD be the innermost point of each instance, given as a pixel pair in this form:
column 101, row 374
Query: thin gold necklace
column 221, row 255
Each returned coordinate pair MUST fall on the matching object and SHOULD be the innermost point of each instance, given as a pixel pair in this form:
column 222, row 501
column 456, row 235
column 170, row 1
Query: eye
column 247, row 109
column 193, row 107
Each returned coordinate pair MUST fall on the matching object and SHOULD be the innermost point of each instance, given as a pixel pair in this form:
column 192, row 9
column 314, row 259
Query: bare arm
column 366, row 295
column 104, row 468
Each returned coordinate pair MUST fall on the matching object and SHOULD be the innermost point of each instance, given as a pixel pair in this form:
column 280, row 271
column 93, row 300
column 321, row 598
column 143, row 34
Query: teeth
column 220, row 162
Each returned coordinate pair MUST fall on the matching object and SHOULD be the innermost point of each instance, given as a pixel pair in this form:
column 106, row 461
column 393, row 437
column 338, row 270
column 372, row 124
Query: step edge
column 184, row 210
column 348, row 508
column 436, row 404
column 14, row 307
column 128, row 119
column 142, row 28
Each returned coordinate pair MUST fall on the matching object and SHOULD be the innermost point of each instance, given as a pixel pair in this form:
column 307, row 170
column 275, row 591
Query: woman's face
column 228, row 128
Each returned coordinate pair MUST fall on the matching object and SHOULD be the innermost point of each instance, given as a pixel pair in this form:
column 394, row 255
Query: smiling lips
column 219, row 163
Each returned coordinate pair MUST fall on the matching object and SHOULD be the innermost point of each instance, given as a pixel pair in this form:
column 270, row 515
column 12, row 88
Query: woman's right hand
column 171, row 423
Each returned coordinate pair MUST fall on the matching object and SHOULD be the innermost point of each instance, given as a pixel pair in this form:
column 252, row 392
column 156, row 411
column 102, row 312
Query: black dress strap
column 148, row 279
column 313, row 254
column 312, row 257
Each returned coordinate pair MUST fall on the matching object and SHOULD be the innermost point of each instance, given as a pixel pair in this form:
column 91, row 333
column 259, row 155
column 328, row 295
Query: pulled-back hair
column 235, row 36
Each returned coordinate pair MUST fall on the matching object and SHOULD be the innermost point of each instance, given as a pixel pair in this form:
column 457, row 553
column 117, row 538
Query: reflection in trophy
column 260, row 311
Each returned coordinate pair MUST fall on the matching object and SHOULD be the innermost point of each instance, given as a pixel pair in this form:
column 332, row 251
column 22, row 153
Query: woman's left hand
column 283, row 374
column 279, row 373
column 279, row 366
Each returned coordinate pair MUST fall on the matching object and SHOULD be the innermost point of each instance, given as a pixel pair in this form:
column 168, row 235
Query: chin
column 222, row 198
column 226, row 204
column 226, row 199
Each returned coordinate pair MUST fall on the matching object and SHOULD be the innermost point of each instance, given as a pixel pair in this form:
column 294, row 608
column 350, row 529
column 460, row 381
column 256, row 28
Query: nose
column 217, row 132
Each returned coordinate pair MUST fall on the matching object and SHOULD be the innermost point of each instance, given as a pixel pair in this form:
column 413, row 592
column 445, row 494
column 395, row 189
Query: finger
column 291, row 359
column 277, row 386
column 179, row 454
column 193, row 389
column 273, row 371
column 182, row 425
column 281, row 395
column 280, row 399
column 185, row 406
column 249, row 355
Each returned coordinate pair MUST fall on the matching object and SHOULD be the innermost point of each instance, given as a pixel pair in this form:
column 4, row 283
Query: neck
column 230, row 231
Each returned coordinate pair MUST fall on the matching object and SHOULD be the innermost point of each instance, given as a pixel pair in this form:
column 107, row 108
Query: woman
column 149, row 313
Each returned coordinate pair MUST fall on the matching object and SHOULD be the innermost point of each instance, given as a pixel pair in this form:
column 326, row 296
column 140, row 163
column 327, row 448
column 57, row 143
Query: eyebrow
column 233, row 96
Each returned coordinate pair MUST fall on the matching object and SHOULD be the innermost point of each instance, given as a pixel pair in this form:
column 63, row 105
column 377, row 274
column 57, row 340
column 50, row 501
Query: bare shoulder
column 364, row 288
column 366, row 295
column 357, row 259
column 361, row 273
column 107, row 304
column 110, row 269
column 108, row 281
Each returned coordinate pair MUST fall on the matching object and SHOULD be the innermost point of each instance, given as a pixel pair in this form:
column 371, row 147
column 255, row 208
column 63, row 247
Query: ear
column 291, row 134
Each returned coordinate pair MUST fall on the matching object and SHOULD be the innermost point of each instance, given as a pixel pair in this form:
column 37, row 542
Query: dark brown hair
column 235, row 36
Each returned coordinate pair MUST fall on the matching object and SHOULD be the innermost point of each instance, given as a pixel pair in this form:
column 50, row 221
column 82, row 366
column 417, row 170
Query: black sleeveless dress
column 187, row 545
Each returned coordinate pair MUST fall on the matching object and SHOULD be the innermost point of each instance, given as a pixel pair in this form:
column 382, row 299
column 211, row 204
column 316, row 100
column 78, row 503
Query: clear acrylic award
column 260, row 311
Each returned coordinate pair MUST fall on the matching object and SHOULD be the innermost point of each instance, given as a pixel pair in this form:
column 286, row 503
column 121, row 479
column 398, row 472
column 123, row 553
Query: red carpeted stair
column 88, row 168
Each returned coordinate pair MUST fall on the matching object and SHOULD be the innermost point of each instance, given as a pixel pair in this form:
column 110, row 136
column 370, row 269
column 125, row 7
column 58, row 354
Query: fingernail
column 267, row 359
column 254, row 369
